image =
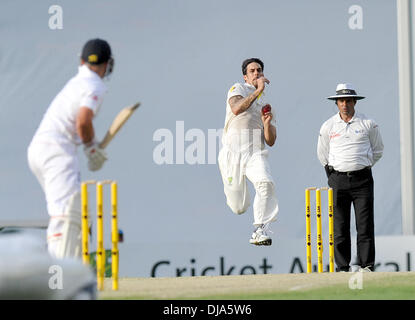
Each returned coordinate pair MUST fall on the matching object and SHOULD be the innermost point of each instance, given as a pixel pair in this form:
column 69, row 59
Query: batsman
column 52, row 153
column 249, row 124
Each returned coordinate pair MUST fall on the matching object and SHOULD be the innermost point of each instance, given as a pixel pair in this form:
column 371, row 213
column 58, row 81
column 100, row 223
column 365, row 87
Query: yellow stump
column 319, row 229
column 331, row 229
column 114, row 236
column 100, row 254
column 308, row 229
column 319, row 232
column 85, row 223
column 100, row 257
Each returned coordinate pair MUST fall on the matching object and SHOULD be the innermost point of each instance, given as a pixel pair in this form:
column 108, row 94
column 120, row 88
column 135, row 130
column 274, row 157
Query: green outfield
column 325, row 286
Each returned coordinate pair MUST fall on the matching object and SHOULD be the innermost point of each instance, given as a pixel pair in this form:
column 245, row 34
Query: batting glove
column 96, row 157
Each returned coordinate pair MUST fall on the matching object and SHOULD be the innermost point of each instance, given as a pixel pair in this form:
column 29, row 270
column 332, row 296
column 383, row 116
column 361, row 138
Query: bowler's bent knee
column 238, row 207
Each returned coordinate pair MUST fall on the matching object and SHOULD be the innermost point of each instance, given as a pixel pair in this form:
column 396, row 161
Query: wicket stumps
column 100, row 254
column 319, row 229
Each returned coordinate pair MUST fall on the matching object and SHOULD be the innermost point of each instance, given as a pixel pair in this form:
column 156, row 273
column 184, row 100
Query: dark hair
column 250, row 60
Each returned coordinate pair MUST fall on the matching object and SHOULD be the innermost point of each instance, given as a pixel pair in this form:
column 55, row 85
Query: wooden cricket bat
column 117, row 124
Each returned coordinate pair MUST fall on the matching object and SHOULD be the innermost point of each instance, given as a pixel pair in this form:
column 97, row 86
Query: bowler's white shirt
column 86, row 89
column 239, row 131
column 349, row 146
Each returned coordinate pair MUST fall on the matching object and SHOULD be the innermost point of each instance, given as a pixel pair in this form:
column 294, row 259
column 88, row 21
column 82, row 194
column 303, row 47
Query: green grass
column 375, row 286
column 396, row 289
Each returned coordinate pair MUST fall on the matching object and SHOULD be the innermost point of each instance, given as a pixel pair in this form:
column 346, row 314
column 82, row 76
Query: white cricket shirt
column 244, row 130
column 86, row 89
column 349, row 146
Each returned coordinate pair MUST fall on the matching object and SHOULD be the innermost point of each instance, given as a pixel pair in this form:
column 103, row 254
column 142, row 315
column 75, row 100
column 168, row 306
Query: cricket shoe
column 366, row 269
column 260, row 237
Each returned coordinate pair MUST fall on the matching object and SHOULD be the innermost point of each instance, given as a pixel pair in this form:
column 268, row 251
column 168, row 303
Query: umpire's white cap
column 345, row 90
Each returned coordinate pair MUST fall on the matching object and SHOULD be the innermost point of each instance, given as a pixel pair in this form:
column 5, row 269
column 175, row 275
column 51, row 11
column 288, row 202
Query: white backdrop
column 179, row 58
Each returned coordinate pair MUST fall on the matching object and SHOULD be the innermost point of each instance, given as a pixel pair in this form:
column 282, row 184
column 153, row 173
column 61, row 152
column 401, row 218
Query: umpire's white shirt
column 349, row 146
column 52, row 153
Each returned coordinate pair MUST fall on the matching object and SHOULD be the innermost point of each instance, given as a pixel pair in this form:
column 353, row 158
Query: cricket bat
column 117, row 124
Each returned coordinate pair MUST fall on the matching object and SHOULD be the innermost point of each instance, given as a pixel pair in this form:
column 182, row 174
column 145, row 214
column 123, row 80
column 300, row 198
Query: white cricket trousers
column 235, row 168
column 57, row 170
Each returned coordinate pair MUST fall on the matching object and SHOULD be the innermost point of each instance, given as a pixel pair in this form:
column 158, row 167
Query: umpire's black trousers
column 357, row 188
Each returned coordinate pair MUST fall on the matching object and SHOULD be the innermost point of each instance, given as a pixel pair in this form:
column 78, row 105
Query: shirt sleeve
column 92, row 100
column 323, row 145
column 376, row 142
column 236, row 90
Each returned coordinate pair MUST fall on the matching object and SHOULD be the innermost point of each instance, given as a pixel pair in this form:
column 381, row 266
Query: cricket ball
column 266, row 109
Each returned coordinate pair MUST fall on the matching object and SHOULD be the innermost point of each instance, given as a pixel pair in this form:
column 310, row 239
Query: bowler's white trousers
column 235, row 168
column 56, row 168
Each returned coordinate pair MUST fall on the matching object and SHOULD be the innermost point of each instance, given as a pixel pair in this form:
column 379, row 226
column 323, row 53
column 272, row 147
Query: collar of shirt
column 355, row 116
column 86, row 72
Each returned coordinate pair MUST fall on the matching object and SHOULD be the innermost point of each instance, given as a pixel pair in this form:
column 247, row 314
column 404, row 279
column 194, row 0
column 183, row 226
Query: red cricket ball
column 266, row 109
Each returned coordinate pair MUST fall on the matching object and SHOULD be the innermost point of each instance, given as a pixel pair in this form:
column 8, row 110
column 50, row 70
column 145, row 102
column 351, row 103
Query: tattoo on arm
column 233, row 101
column 239, row 104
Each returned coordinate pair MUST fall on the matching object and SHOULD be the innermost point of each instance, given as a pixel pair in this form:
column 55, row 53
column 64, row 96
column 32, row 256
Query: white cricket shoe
column 260, row 237
column 365, row 269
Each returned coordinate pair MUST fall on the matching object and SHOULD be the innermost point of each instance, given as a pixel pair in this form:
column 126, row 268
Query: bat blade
column 118, row 123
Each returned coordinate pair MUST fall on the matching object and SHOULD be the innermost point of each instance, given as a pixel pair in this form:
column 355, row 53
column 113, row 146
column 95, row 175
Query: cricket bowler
column 249, row 124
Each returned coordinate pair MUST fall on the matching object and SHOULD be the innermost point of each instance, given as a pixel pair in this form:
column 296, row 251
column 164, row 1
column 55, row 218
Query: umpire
column 348, row 146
